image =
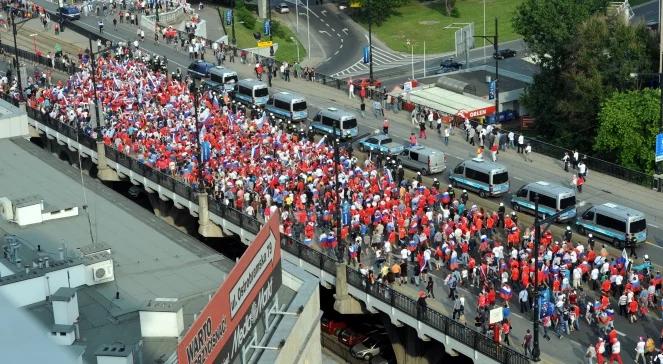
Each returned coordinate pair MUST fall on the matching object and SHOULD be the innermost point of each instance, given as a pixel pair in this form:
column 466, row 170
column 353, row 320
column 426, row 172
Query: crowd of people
column 247, row 161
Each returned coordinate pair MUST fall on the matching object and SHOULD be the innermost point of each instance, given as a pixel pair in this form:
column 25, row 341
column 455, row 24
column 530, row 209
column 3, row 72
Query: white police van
column 552, row 199
column 288, row 105
column 332, row 121
column 614, row 223
column 252, row 92
column 484, row 177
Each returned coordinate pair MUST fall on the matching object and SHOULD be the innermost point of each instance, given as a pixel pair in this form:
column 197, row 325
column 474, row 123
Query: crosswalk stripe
column 381, row 60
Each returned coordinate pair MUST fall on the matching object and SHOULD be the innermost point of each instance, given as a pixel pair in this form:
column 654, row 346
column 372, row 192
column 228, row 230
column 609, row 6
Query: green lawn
column 287, row 50
column 425, row 23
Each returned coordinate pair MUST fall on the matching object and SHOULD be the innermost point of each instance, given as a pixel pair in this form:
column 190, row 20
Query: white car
column 283, row 8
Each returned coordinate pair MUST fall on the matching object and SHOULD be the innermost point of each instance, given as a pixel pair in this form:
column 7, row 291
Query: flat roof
column 447, row 101
column 63, row 294
column 8, row 110
column 152, row 259
column 477, row 78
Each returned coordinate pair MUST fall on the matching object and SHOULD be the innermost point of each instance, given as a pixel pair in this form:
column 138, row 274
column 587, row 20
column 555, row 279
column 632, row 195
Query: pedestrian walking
column 566, row 159
column 100, row 23
column 351, row 90
column 422, row 130
column 447, row 133
column 506, row 329
column 412, row 140
column 521, row 143
column 115, row 23
column 429, row 288
column 640, row 350
column 527, row 153
column 523, row 299
column 590, row 354
column 377, row 109
column 511, row 137
column 616, row 354
column 580, row 181
column 527, row 343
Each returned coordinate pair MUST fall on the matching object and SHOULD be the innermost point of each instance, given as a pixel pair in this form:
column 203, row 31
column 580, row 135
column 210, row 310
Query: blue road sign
column 229, row 17
column 492, row 87
column 267, row 27
column 659, row 147
column 367, row 54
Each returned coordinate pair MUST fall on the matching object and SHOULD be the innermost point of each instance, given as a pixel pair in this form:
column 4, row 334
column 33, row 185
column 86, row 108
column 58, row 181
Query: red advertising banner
column 231, row 314
column 489, row 110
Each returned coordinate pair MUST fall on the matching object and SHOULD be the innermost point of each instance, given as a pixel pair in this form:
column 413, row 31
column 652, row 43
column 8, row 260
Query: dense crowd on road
column 248, row 162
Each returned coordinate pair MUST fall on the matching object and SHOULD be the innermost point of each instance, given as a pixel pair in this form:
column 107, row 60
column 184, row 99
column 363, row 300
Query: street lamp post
column 370, row 44
column 193, row 89
column 495, row 40
column 156, row 8
column 93, row 75
column 234, row 40
column 538, row 223
column 16, row 61
column 269, row 16
column 339, row 217
column 297, row 44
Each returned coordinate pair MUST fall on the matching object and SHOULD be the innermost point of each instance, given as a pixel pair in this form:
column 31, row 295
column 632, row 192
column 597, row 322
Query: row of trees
column 585, row 96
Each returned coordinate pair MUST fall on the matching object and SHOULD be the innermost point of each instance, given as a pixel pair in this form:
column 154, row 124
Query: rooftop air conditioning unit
column 103, row 273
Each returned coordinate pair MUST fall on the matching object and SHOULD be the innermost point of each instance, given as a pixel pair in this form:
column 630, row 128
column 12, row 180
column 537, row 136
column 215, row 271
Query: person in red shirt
column 506, row 329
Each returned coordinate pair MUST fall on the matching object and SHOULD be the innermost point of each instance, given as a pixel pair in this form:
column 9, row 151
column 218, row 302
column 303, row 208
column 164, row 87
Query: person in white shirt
column 521, row 143
column 640, row 350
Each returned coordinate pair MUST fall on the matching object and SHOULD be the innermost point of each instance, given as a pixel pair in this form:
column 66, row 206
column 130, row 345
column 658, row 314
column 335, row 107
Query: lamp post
column 16, row 61
column 269, row 16
column 494, row 39
column 411, row 45
column 234, row 39
column 370, row 44
column 195, row 90
column 93, row 63
column 297, row 44
column 538, row 223
column 339, row 217
column 156, row 8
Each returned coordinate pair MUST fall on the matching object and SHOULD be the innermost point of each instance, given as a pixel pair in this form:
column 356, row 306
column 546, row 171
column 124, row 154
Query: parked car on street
column 349, row 337
column 380, row 143
column 332, row 326
column 450, row 64
column 504, row 53
column 70, row 12
column 369, row 347
column 200, row 69
column 283, row 8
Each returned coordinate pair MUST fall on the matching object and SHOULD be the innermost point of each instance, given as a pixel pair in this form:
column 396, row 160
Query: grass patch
column 287, row 50
column 421, row 22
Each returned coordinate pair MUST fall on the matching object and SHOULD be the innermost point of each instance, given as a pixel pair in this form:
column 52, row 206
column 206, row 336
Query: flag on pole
column 322, row 140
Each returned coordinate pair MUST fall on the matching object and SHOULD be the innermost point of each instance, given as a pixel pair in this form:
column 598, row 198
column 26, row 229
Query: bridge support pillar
column 408, row 348
column 104, row 173
column 206, row 228
column 344, row 303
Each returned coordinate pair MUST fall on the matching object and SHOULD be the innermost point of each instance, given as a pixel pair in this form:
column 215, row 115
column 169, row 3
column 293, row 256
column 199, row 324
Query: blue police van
column 288, row 106
column 552, row 198
column 615, row 223
column 484, row 177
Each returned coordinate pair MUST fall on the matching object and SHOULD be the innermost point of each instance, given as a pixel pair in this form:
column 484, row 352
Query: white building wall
column 5, row 270
column 65, row 340
column 29, row 291
column 115, row 359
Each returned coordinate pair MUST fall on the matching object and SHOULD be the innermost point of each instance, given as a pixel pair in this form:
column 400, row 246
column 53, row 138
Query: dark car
column 70, row 12
column 200, row 69
column 332, row 326
column 451, row 64
column 350, row 337
column 504, row 53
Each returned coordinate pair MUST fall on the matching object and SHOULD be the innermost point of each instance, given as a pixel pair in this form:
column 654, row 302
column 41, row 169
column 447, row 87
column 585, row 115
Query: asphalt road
column 647, row 11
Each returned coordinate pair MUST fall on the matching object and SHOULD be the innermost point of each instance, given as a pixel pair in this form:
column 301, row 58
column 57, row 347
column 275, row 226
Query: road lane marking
column 336, row 53
column 581, row 203
column 652, row 225
column 345, row 30
column 654, row 245
column 323, row 12
column 339, row 35
column 324, row 32
column 518, row 178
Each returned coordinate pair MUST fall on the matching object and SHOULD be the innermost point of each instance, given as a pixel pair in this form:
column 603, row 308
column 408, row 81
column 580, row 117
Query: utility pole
column 193, row 89
column 93, row 75
column 156, row 8
column 370, row 44
column 495, row 40
column 16, row 61
column 538, row 223
column 337, row 213
column 234, row 39
column 269, row 16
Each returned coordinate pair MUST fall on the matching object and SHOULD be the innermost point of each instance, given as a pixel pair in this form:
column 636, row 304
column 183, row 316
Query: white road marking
column 654, row 245
column 581, row 203
column 323, row 12
column 345, row 30
column 333, row 30
column 338, row 35
column 336, row 53
column 652, row 225
column 620, row 333
column 324, row 32
column 341, row 46
column 518, row 178
column 341, row 41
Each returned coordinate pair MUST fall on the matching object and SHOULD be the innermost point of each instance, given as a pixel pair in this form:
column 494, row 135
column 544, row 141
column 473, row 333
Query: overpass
column 216, row 219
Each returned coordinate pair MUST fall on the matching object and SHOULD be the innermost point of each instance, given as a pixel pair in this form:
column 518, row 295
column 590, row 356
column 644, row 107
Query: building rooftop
column 477, row 79
column 152, row 259
column 63, row 294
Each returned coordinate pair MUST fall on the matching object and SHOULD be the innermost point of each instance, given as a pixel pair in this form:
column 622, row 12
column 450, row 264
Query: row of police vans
column 618, row 224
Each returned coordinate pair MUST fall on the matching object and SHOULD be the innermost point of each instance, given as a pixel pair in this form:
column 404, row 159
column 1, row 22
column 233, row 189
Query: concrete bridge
column 178, row 204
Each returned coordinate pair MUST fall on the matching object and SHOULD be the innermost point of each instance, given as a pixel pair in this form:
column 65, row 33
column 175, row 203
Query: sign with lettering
column 229, row 317
column 265, row 44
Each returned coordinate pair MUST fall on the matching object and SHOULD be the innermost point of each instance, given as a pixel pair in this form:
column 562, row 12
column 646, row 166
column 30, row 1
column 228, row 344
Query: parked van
column 252, row 92
column 288, row 105
column 225, row 77
column 485, row 177
column 326, row 120
column 614, row 223
column 552, row 198
column 422, row 159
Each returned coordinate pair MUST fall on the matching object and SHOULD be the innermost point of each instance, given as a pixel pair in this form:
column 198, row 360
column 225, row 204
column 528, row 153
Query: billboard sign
column 659, row 147
column 225, row 324
column 492, row 88
column 267, row 27
column 229, row 17
column 481, row 112
column 367, row 54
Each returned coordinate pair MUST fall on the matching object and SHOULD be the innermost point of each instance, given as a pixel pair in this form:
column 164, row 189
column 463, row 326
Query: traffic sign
column 229, row 17
column 492, row 87
column 659, row 147
column 265, row 44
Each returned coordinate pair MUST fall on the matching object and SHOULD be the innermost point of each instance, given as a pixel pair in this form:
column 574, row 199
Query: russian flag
column 611, row 313
column 505, row 291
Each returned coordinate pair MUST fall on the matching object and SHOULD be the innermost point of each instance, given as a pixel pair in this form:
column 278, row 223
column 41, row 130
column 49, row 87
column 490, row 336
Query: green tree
column 628, row 123
column 549, row 26
column 380, row 10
